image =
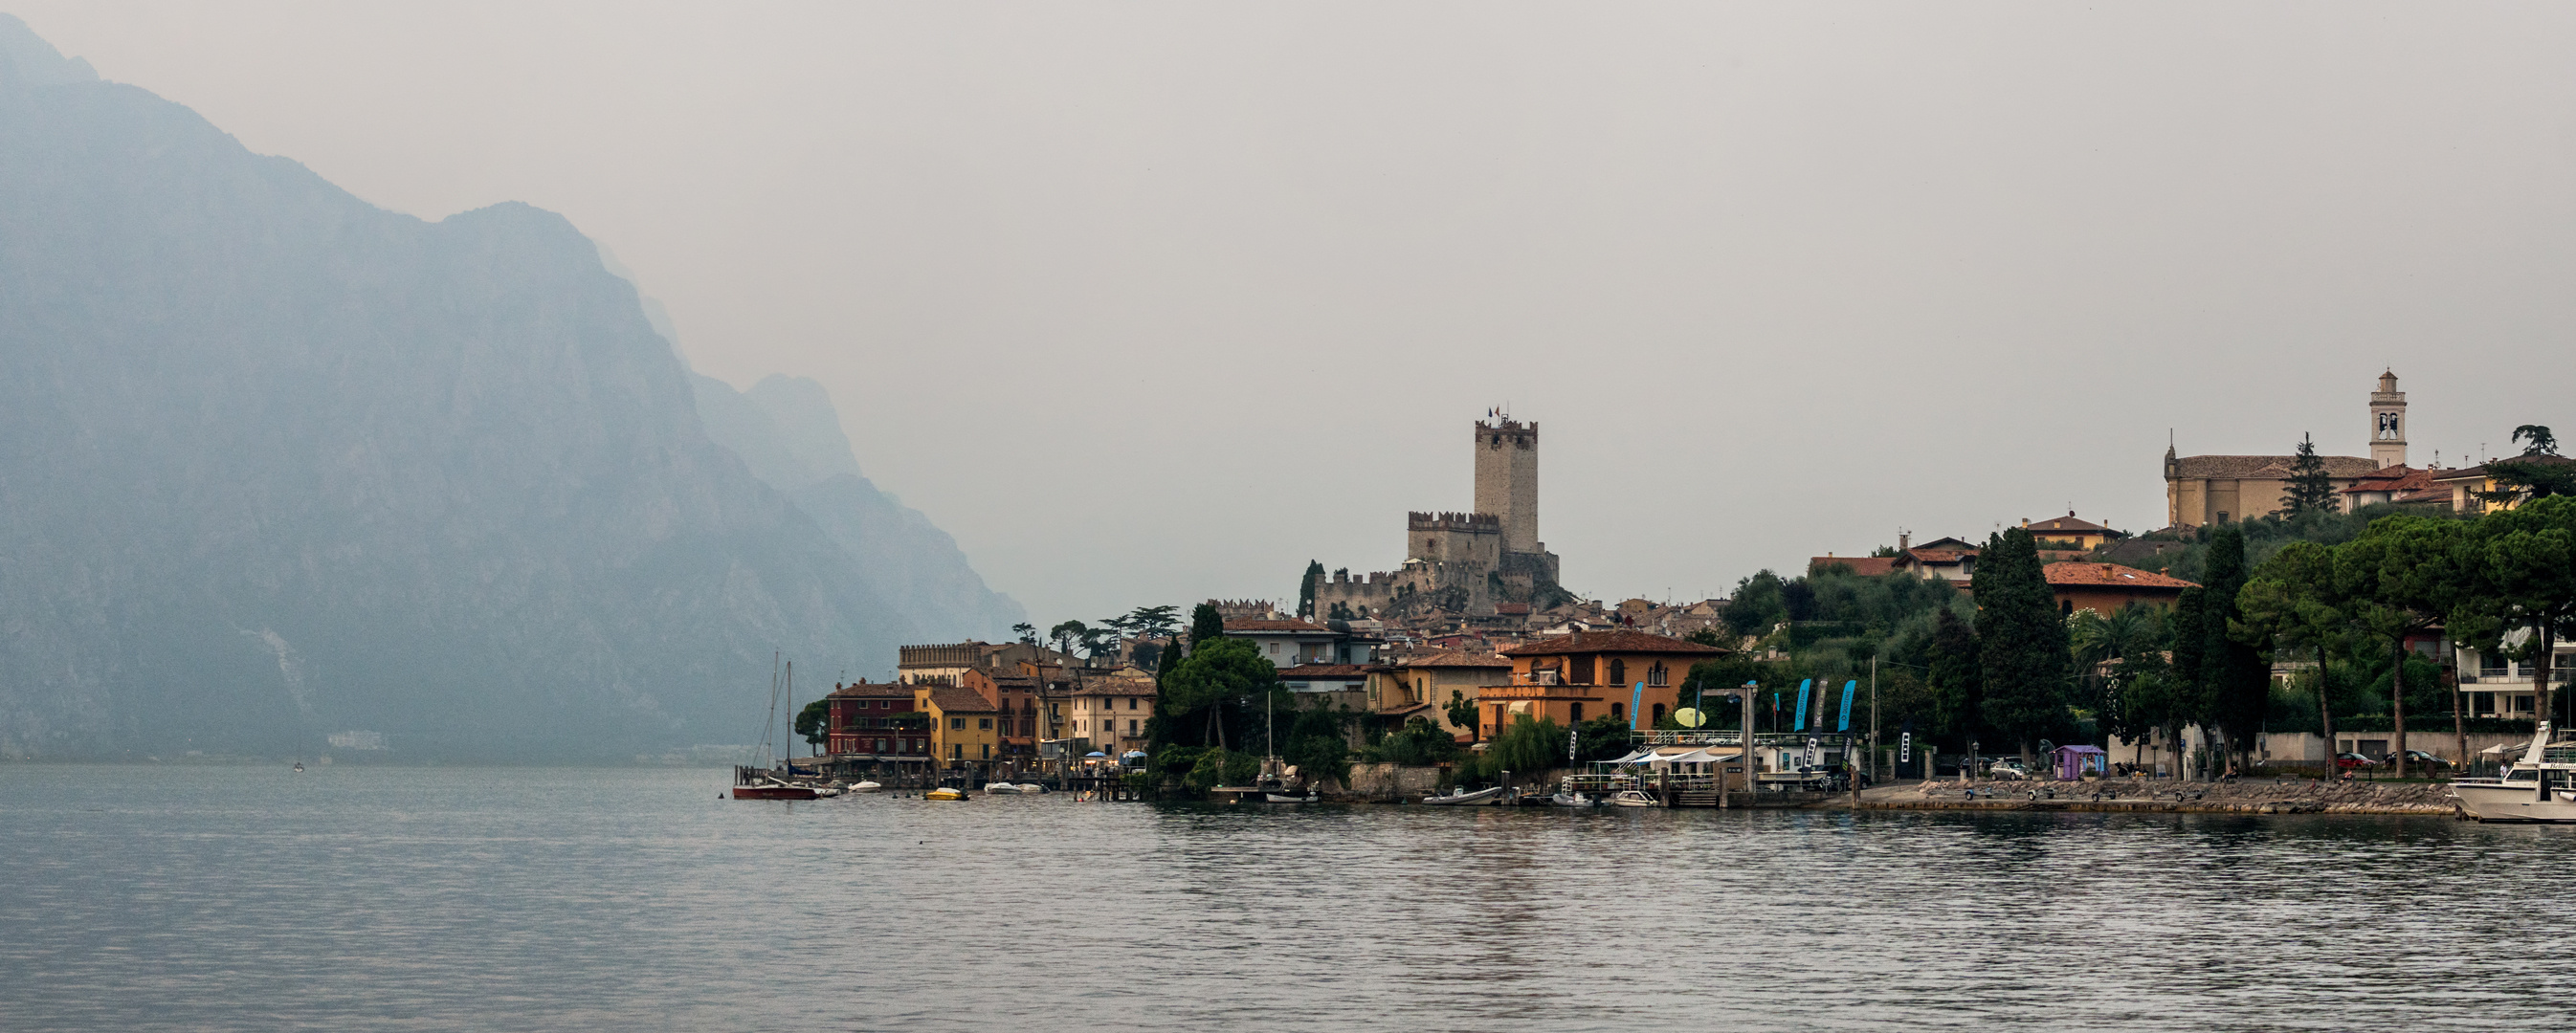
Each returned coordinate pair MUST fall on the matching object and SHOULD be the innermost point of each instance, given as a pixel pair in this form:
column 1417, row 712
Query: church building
column 2216, row 489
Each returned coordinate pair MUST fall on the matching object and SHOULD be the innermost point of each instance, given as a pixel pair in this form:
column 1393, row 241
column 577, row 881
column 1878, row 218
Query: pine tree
column 2021, row 642
column 2311, row 491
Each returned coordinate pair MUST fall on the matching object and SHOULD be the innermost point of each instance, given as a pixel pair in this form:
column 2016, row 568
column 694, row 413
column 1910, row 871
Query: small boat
column 827, row 791
column 299, row 765
column 773, row 789
column 944, row 793
column 1460, row 797
column 1000, row 787
column 2539, row 788
column 1633, row 798
column 1310, row 797
column 865, row 787
column 1577, row 800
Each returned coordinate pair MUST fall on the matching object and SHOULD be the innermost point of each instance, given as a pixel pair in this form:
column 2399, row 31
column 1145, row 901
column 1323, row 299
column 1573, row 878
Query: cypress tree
column 1952, row 659
column 1205, row 624
column 2235, row 681
column 2188, row 699
column 1306, row 588
column 2021, row 641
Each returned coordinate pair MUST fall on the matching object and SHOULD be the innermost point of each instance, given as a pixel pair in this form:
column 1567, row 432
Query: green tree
column 2520, row 567
column 1528, row 746
column 2291, row 604
column 1205, row 624
column 1067, row 635
column 1027, row 632
column 2189, row 703
column 1216, row 674
column 1462, row 713
column 815, row 723
column 2235, row 683
column 1955, row 678
column 2310, row 489
column 2401, row 578
column 2021, row 643
column 2537, row 440
column 1306, row 588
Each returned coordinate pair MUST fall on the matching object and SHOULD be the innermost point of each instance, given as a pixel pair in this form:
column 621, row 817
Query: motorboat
column 864, row 787
column 1461, row 797
column 1310, row 797
column 772, row 789
column 827, row 791
column 1000, row 787
column 2541, row 787
column 1633, row 798
column 944, row 793
column 1577, row 800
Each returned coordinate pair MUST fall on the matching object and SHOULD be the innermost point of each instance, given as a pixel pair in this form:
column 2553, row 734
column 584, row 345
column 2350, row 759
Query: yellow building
column 2084, row 533
column 963, row 725
column 2470, row 487
column 1110, row 713
column 1420, row 686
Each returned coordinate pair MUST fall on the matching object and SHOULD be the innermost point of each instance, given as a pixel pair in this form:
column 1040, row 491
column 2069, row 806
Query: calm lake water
column 252, row 899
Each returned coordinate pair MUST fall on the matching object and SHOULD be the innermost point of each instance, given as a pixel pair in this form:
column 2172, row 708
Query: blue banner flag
column 1847, row 695
column 1634, row 702
column 1799, row 722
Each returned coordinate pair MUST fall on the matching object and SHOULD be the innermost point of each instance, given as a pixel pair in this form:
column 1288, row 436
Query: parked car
column 2419, row 758
column 2007, row 768
column 2348, row 761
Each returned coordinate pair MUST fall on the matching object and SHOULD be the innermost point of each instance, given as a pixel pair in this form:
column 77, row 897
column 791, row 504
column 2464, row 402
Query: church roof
column 2264, row 467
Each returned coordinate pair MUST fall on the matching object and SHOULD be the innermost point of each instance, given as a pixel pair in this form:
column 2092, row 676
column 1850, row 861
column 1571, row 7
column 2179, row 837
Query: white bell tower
column 2388, row 423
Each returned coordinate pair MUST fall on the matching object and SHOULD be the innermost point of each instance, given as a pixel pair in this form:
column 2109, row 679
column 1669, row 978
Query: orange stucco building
column 1590, row 674
column 2106, row 587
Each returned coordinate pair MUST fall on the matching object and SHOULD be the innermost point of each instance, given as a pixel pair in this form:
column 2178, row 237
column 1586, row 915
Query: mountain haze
column 275, row 462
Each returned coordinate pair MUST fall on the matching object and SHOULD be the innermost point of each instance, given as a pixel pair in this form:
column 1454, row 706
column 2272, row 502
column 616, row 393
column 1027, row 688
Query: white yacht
column 2539, row 787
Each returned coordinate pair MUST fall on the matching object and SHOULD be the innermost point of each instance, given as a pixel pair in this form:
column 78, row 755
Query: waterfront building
column 876, row 723
column 1420, row 685
column 1014, row 697
column 1627, row 675
column 963, row 727
column 1108, row 714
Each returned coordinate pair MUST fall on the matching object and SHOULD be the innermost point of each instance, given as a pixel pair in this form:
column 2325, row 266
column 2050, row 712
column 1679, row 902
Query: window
column 2066, row 607
column 957, row 723
column 1618, row 672
column 1655, row 675
column 988, row 751
column 1659, row 716
column 1618, row 711
column 984, row 723
column 1131, row 702
column 1578, row 712
column 1131, row 726
column 957, row 751
column 880, row 746
column 1579, row 670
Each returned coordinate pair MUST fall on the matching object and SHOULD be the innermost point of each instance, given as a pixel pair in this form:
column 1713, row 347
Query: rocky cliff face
column 274, row 462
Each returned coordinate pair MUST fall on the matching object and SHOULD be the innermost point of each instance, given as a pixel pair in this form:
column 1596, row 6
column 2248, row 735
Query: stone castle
column 1475, row 564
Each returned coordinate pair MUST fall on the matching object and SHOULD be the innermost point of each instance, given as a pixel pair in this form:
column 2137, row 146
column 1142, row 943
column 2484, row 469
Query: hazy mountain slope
column 276, row 462
column 787, row 430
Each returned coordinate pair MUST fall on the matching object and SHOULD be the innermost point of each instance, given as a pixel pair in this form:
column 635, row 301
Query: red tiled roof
column 959, row 701
column 1324, row 671
column 1865, row 566
column 874, row 690
column 1114, row 687
column 2067, row 523
column 1513, row 609
column 2112, row 575
column 1617, row 641
column 1455, row 658
column 1938, row 555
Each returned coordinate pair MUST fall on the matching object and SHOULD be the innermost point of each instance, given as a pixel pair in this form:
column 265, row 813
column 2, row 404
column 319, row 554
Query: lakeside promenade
column 2239, row 796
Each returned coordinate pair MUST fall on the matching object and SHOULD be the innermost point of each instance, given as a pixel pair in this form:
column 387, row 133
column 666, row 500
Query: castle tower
column 1507, row 479
column 2387, row 428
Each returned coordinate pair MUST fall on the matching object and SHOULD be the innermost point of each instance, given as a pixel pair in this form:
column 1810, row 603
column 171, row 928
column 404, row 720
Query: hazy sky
column 1148, row 303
